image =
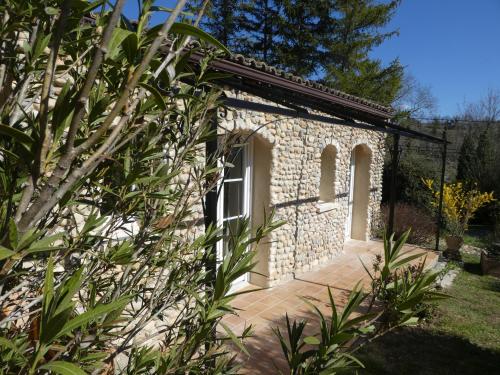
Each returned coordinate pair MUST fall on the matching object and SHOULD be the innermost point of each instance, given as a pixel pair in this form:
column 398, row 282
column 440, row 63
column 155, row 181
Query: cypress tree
column 299, row 36
column 352, row 30
column 467, row 166
column 222, row 19
column 485, row 156
column 327, row 40
column 259, row 29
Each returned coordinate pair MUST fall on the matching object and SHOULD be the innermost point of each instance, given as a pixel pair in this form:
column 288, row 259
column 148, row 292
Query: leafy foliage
column 460, row 203
column 104, row 261
column 399, row 292
column 411, row 169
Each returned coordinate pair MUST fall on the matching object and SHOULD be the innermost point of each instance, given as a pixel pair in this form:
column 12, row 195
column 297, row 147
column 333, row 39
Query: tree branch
column 45, row 129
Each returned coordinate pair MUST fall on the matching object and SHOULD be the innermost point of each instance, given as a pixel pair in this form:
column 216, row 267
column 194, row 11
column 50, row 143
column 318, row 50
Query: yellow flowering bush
column 459, row 204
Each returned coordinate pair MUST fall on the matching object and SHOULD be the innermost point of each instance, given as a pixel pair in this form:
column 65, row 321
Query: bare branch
column 136, row 76
column 45, row 129
column 97, row 60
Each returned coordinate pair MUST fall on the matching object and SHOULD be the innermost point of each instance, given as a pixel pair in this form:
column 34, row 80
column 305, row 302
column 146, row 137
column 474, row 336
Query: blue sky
column 452, row 46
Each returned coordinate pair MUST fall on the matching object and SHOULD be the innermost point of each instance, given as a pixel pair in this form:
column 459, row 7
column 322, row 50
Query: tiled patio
column 265, row 309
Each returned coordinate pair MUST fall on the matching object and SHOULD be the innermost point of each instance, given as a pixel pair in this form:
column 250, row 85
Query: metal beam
column 266, row 108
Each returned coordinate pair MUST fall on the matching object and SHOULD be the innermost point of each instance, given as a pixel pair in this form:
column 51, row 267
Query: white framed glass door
column 350, row 201
column 234, row 201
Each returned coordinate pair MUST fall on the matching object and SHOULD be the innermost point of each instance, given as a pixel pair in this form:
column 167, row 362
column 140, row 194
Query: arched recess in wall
column 261, row 198
column 328, row 171
column 359, row 192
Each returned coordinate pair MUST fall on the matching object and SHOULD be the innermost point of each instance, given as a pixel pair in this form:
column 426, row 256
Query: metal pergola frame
column 295, row 99
column 396, row 131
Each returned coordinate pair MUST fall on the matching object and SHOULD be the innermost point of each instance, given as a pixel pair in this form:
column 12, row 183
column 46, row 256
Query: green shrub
column 101, row 174
column 400, row 293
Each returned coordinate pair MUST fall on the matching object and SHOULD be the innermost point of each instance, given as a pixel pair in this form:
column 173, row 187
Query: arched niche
column 261, row 198
column 359, row 192
column 328, row 171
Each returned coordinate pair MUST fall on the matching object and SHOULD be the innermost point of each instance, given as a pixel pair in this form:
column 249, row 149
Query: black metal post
column 441, row 187
column 393, row 191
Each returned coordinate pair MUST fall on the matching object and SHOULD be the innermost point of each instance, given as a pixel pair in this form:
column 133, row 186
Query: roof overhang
column 256, row 78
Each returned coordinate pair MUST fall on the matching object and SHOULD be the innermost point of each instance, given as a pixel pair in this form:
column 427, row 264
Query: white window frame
column 247, row 150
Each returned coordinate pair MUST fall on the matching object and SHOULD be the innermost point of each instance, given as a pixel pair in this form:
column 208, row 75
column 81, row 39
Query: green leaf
column 5, row 253
column 27, row 238
column 6, row 343
column 40, row 45
column 92, row 314
column 45, row 244
column 130, row 45
column 17, row 135
column 411, row 321
column 68, row 290
column 234, row 339
column 311, row 340
column 117, row 38
column 185, row 29
column 51, row 11
column 401, row 262
column 63, row 368
column 156, row 94
column 48, row 295
column 13, row 235
column 62, row 108
column 122, row 254
column 98, row 109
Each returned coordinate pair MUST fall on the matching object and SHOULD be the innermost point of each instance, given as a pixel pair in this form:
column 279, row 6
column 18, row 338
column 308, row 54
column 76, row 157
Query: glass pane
column 235, row 158
column 233, row 199
column 231, row 228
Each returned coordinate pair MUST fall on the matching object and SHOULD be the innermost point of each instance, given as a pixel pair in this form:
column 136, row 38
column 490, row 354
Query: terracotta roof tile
column 262, row 66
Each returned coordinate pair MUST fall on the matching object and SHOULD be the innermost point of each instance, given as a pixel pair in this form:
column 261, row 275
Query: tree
column 485, row 157
column 260, row 20
column 327, row 40
column 479, row 158
column 487, row 108
column 299, row 36
column 468, row 166
column 222, row 21
column 413, row 99
column 352, row 30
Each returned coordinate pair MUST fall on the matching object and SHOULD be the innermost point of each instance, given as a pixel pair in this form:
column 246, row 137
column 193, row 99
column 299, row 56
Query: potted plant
column 460, row 203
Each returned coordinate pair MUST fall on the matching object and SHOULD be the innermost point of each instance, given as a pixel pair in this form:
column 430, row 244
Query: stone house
column 320, row 169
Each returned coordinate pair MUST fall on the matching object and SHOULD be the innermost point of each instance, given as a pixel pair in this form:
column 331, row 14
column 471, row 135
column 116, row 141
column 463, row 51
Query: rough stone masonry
column 314, row 232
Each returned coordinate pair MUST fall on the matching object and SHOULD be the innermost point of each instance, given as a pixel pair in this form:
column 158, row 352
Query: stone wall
column 314, row 232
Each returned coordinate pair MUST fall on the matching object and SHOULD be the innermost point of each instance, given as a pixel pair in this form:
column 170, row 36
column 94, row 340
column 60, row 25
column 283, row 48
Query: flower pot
column 453, row 245
column 490, row 260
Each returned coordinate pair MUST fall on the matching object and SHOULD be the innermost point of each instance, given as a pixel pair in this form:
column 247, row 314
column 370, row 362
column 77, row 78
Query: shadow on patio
column 266, row 309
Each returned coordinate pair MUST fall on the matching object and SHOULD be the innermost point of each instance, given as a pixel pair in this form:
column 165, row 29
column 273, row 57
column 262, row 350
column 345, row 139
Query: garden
column 106, row 157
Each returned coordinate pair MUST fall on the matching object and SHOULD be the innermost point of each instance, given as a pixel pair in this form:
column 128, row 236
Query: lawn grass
column 474, row 309
column 462, row 338
column 476, row 241
column 479, row 236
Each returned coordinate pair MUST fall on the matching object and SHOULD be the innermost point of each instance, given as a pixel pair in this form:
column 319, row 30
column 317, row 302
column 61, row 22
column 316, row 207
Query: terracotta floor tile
column 266, row 309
